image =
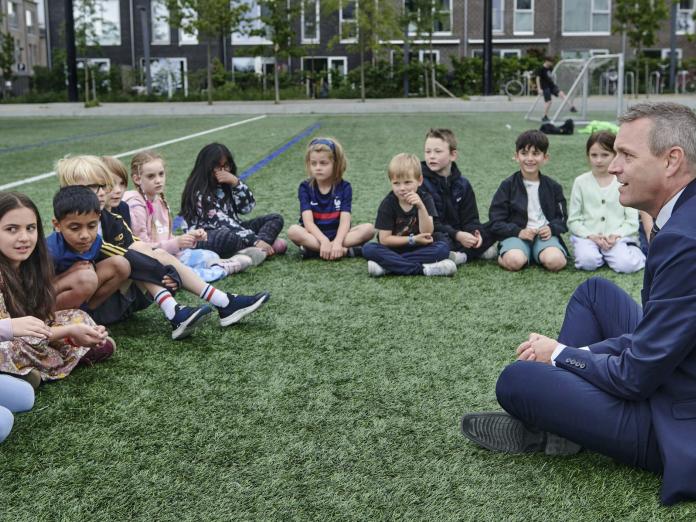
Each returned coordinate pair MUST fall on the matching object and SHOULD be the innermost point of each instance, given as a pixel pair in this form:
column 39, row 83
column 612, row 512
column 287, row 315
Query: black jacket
column 508, row 212
column 454, row 200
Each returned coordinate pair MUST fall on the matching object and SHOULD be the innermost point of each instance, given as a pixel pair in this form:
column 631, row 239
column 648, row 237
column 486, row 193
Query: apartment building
column 567, row 28
column 21, row 22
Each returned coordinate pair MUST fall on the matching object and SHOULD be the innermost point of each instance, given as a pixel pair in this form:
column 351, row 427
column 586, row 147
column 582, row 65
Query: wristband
column 411, row 240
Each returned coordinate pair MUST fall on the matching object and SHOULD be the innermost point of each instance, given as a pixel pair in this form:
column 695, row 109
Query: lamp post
column 488, row 47
column 71, row 54
column 146, row 47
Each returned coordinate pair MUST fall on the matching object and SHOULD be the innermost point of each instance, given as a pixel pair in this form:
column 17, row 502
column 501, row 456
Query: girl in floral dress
column 38, row 343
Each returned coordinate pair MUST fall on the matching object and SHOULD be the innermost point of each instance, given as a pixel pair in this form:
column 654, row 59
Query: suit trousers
column 558, row 401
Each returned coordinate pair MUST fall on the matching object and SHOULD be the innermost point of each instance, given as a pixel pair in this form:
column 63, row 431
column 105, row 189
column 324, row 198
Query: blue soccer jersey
column 326, row 208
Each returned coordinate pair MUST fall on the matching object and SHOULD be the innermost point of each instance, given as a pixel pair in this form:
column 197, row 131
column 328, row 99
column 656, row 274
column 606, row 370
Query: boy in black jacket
column 528, row 211
column 454, row 198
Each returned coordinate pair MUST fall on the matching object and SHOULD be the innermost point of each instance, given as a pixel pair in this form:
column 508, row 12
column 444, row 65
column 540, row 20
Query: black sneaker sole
column 498, row 431
column 240, row 314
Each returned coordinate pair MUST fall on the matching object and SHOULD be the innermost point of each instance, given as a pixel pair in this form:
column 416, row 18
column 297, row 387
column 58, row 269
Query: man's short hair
column 404, row 166
column 445, row 135
column 673, row 125
column 532, row 138
column 75, row 199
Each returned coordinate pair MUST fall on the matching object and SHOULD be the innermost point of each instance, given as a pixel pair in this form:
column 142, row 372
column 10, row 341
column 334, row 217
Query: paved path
column 396, row 105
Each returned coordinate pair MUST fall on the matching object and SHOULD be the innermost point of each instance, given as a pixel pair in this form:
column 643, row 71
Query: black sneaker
column 573, row 109
column 241, row 306
column 355, row 251
column 498, row 431
column 545, row 118
column 186, row 319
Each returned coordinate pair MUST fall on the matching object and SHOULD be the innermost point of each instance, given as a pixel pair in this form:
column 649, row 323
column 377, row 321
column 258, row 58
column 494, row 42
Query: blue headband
column 322, row 141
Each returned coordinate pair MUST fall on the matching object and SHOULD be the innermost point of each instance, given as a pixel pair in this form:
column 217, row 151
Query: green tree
column 7, row 56
column 640, row 20
column 85, row 13
column 276, row 25
column 211, row 20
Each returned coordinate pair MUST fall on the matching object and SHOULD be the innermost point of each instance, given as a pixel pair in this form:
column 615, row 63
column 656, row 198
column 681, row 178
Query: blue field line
column 79, row 137
column 273, row 155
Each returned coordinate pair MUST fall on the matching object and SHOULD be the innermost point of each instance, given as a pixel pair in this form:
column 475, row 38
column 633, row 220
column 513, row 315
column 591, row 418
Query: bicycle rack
column 655, row 88
column 606, row 80
column 680, row 87
column 630, row 79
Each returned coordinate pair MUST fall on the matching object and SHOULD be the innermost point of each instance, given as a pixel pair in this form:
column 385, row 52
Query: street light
column 146, row 47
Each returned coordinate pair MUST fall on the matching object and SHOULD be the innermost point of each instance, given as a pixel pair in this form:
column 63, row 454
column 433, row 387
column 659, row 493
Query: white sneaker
column 445, row 267
column 491, row 252
column 459, row 258
column 375, row 270
column 256, row 254
column 235, row 264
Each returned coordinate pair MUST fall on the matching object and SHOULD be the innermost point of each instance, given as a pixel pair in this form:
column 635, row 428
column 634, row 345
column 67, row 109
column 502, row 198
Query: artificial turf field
column 341, row 398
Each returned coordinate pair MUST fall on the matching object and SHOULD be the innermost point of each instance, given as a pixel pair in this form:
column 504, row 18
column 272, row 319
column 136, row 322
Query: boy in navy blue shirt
column 405, row 226
column 458, row 221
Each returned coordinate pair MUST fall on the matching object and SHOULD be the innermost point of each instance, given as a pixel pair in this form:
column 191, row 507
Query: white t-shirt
column 535, row 216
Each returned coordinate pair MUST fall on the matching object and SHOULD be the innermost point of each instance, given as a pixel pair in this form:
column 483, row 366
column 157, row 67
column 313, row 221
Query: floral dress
column 53, row 360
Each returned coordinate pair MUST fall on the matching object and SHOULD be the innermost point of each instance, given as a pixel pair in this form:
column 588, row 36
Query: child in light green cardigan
column 601, row 229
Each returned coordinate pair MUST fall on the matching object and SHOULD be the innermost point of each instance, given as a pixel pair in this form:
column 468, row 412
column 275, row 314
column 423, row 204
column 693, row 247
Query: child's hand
column 170, row 284
column 423, row 239
column 199, row 234
column 186, row 241
column 412, row 198
column 612, row 239
column 545, row 232
column 325, row 249
column 226, row 177
column 86, row 335
column 79, row 265
column 30, row 326
column 528, row 234
column 468, row 240
column 479, row 238
column 337, row 251
column 265, row 247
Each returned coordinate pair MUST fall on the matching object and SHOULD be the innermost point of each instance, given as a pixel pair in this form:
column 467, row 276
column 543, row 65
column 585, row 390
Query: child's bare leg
column 111, row 272
column 552, row 259
column 359, row 235
column 75, row 286
column 301, row 237
column 513, row 260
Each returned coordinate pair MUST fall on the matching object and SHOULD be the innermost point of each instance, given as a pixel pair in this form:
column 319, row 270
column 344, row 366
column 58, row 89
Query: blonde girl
column 325, row 206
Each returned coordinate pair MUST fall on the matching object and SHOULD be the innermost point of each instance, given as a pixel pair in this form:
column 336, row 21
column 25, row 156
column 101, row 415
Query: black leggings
column 226, row 242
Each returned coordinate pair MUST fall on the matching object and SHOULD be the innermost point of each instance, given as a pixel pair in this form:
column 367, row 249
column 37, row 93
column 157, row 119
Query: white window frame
column 506, row 53
column 593, row 11
column 423, row 52
column 688, row 14
column 502, row 19
column 598, row 52
column 665, row 52
column 244, row 39
column 341, row 21
column 186, row 38
column 154, row 20
column 179, row 59
column 444, row 33
column 12, row 14
column 514, row 18
column 317, row 38
column 29, row 21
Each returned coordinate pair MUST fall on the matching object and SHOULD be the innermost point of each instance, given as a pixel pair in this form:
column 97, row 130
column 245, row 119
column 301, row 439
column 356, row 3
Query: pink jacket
column 143, row 215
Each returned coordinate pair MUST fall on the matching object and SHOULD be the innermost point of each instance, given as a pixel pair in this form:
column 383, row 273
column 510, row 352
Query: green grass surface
column 338, row 400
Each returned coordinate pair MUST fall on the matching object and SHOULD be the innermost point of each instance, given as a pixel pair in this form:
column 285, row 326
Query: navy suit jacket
column 657, row 362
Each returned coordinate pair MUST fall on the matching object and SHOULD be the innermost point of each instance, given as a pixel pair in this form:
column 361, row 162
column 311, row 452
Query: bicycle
column 522, row 85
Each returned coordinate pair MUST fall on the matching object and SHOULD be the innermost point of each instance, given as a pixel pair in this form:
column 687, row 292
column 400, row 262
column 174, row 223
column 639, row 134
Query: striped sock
column 165, row 300
column 215, row 296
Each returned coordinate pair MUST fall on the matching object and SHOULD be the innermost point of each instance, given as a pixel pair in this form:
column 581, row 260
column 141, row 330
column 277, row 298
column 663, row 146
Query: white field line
column 130, row 152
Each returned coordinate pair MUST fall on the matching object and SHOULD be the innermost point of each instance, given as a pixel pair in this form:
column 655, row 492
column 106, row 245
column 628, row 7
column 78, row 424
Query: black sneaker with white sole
column 186, row 319
column 498, row 431
column 241, row 306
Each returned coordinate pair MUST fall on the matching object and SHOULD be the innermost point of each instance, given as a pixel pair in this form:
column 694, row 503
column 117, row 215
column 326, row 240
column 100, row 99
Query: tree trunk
column 362, row 68
column 276, row 80
column 426, row 79
column 432, row 67
column 210, row 73
column 86, row 84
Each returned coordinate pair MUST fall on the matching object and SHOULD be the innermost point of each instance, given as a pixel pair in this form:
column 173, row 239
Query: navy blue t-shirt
column 64, row 257
column 326, row 208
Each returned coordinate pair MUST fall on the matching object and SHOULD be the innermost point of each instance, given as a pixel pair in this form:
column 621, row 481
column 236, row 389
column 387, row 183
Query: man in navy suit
column 621, row 379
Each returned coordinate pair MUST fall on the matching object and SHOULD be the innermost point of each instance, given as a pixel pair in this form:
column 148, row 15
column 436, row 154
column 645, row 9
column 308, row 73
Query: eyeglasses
column 96, row 187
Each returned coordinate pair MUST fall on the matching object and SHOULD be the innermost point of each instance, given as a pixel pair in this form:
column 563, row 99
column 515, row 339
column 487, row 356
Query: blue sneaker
column 241, row 306
column 186, row 319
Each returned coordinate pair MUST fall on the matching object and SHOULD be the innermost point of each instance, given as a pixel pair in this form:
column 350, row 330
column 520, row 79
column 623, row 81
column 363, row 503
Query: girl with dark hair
column 37, row 343
column 601, row 229
column 213, row 199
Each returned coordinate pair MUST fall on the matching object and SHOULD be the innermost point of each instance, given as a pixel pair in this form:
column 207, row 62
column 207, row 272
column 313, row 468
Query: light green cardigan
column 596, row 210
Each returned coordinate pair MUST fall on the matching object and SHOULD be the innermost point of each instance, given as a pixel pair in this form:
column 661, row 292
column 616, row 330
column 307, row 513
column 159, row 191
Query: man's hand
column 412, row 198
column 30, row 326
column 537, row 348
column 545, row 232
column 528, row 234
column 423, row 239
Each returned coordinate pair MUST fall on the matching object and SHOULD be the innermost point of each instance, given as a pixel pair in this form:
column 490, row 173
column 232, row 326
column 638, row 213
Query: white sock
column 215, row 296
column 165, row 300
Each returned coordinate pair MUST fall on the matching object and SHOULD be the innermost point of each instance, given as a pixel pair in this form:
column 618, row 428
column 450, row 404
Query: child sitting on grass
column 154, row 269
column 212, row 200
column 37, row 343
column 528, row 211
column 119, row 176
column 152, row 222
column 458, row 218
column 326, row 201
column 405, row 227
column 602, row 230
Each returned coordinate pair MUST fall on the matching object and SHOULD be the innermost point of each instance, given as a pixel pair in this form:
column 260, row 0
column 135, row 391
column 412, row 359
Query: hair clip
column 322, row 141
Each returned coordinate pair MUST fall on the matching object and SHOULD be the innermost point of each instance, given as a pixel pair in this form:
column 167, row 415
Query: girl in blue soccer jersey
column 325, row 205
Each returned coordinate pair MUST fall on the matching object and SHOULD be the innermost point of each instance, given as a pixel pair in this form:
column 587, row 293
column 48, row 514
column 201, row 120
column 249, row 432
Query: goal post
column 583, row 80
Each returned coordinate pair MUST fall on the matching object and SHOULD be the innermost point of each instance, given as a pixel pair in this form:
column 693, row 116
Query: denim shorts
column 531, row 249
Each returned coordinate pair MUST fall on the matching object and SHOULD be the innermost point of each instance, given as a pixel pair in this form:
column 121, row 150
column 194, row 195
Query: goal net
column 591, row 85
